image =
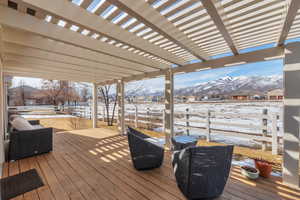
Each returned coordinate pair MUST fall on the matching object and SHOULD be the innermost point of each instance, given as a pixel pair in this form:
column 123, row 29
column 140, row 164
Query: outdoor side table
column 181, row 142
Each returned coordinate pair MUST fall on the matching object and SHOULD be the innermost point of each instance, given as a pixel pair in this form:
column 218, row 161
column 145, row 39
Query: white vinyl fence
column 230, row 124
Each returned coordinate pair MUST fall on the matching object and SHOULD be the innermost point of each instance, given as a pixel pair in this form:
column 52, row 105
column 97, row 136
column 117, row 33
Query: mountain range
column 229, row 85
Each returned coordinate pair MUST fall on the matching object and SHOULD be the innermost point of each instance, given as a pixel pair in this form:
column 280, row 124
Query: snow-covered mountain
column 232, row 85
column 229, row 85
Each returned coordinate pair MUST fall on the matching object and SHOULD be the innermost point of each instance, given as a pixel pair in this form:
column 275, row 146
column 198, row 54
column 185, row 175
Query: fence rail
column 208, row 122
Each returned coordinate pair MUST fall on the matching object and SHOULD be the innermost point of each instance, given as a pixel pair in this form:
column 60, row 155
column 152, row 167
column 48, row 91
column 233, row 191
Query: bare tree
column 108, row 99
column 85, row 93
column 59, row 91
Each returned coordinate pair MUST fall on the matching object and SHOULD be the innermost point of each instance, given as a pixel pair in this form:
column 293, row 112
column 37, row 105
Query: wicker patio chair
column 145, row 153
column 178, row 145
column 28, row 143
column 202, row 172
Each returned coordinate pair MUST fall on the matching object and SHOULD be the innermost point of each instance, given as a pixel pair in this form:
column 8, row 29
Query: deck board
column 95, row 164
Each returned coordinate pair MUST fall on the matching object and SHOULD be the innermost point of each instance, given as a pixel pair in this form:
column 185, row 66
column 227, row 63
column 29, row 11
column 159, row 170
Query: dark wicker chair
column 181, row 145
column 202, row 172
column 144, row 153
column 30, row 142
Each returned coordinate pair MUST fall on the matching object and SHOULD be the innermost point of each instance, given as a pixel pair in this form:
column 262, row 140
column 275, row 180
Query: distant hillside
column 27, row 89
column 230, row 85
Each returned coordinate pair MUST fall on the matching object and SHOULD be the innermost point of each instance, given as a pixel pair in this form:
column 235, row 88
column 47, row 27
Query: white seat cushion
column 21, row 124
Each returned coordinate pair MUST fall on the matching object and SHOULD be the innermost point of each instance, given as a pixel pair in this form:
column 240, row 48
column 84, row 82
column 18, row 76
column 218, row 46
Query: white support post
column 169, row 107
column 264, row 128
column 95, row 106
column 208, row 130
column 291, row 128
column 121, row 107
column 274, row 135
column 136, row 117
column 3, row 107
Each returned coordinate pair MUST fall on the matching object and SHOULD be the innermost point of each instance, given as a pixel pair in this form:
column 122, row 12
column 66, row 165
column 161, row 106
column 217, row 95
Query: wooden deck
column 95, row 164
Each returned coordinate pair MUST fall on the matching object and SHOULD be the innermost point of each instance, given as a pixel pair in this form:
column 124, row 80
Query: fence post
column 274, row 135
column 136, row 117
column 163, row 120
column 103, row 113
column 208, row 126
column 264, row 128
column 187, row 117
column 148, row 118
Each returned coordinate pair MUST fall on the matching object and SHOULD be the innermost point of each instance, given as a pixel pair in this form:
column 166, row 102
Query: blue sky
column 267, row 68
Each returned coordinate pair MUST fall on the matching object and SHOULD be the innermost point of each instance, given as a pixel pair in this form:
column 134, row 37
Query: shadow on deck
column 95, row 164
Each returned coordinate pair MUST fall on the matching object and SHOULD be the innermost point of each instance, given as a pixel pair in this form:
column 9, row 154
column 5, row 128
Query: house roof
column 103, row 41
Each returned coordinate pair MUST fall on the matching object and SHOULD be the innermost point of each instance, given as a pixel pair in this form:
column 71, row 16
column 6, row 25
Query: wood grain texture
column 95, row 164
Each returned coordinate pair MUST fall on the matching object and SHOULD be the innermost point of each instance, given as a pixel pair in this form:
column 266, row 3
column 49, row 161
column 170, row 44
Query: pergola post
column 2, row 117
column 291, row 123
column 169, row 107
column 121, row 107
column 95, row 106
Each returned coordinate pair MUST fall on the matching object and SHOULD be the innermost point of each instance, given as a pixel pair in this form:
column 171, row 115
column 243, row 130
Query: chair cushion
column 157, row 141
column 11, row 117
column 21, row 124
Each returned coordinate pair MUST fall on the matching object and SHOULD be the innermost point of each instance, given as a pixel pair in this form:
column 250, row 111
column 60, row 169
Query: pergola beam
column 74, row 53
column 36, row 54
column 15, row 19
column 53, row 74
column 48, row 76
column 213, row 8
column 293, row 8
column 56, row 64
column 95, row 69
column 58, row 68
column 70, row 12
column 158, row 23
column 245, row 58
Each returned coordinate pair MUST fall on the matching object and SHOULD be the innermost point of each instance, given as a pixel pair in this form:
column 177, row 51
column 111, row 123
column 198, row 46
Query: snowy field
column 250, row 112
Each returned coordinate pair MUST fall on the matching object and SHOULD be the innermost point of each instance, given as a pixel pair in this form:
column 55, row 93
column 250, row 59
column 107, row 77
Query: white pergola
column 117, row 41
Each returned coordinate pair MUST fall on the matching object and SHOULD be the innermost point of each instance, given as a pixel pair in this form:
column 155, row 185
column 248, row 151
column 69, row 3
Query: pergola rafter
column 28, row 23
column 68, row 66
column 72, row 13
column 215, row 10
column 73, row 54
column 293, row 8
column 153, row 19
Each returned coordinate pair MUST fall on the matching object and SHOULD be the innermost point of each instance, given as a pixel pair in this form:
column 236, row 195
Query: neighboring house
column 241, row 96
column 276, row 94
column 191, row 99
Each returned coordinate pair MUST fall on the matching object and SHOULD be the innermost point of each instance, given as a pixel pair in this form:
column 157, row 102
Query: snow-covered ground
column 250, row 108
column 46, row 116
